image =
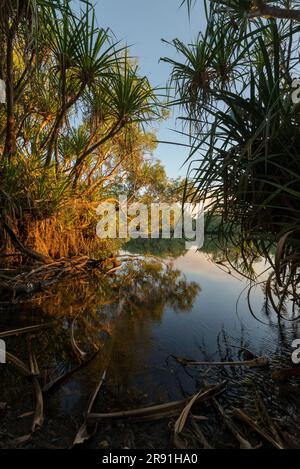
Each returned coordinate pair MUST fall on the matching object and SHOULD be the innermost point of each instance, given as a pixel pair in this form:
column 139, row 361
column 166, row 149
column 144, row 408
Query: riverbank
column 140, row 326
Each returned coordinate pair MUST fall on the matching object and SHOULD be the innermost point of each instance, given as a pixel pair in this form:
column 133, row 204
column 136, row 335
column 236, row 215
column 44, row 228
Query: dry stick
column 238, row 413
column 82, row 435
column 113, row 270
column 61, row 379
column 48, row 274
column 146, row 413
column 30, row 287
column 26, row 414
column 256, row 362
column 244, row 444
column 266, row 418
column 181, row 421
column 285, row 373
column 157, row 410
column 198, row 432
column 78, row 352
column 201, row 395
column 22, row 367
column 25, row 330
column 38, row 418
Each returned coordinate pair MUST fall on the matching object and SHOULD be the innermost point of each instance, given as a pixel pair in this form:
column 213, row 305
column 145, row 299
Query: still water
column 143, row 318
column 216, row 326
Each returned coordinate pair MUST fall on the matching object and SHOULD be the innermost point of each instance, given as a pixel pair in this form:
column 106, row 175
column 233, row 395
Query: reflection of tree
column 123, row 308
column 283, row 298
column 173, row 247
column 155, row 283
column 241, row 259
column 150, row 288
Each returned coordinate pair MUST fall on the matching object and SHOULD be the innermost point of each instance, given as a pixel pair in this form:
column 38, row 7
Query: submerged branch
column 256, row 362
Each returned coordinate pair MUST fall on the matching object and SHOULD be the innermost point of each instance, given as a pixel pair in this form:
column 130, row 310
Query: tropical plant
column 235, row 87
column 75, row 117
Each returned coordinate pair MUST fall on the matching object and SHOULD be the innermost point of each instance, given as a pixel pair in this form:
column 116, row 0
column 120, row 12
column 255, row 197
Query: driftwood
column 38, row 418
column 238, row 413
column 22, row 367
column 20, row 440
column 286, row 373
column 256, row 362
column 200, row 435
column 200, row 396
column 3, row 408
column 80, row 354
column 26, row 414
column 26, row 330
column 47, row 274
column 244, row 444
column 83, row 434
column 156, row 412
column 63, row 378
column 195, row 432
column 265, row 417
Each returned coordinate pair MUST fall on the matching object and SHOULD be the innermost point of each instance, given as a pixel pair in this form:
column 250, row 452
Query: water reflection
column 149, row 313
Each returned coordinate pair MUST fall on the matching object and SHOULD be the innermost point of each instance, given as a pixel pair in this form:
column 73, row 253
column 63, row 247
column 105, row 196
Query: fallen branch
column 256, row 362
column 244, row 444
column 83, row 434
column 238, row 413
column 157, row 411
column 23, row 249
column 199, row 435
column 49, row 274
column 265, row 417
column 201, row 395
column 286, row 373
column 38, row 418
column 22, row 367
column 63, row 378
column 80, row 354
column 25, row 330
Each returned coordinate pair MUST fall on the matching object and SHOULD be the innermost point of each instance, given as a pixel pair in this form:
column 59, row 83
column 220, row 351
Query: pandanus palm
column 19, row 20
column 244, row 157
column 120, row 100
column 82, row 55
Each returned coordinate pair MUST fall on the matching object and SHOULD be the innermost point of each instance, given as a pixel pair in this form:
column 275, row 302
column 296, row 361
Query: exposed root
column 43, row 276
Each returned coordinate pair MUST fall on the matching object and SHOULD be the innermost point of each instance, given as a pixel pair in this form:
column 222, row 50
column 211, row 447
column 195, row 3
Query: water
column 216, row 327
column 143, row 319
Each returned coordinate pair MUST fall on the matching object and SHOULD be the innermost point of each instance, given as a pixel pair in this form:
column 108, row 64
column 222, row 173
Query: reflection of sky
column 200, row 333
column 215, row 306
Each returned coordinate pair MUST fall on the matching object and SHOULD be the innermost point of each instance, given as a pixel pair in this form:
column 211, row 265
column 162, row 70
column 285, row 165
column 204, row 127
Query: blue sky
column 142, row 24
